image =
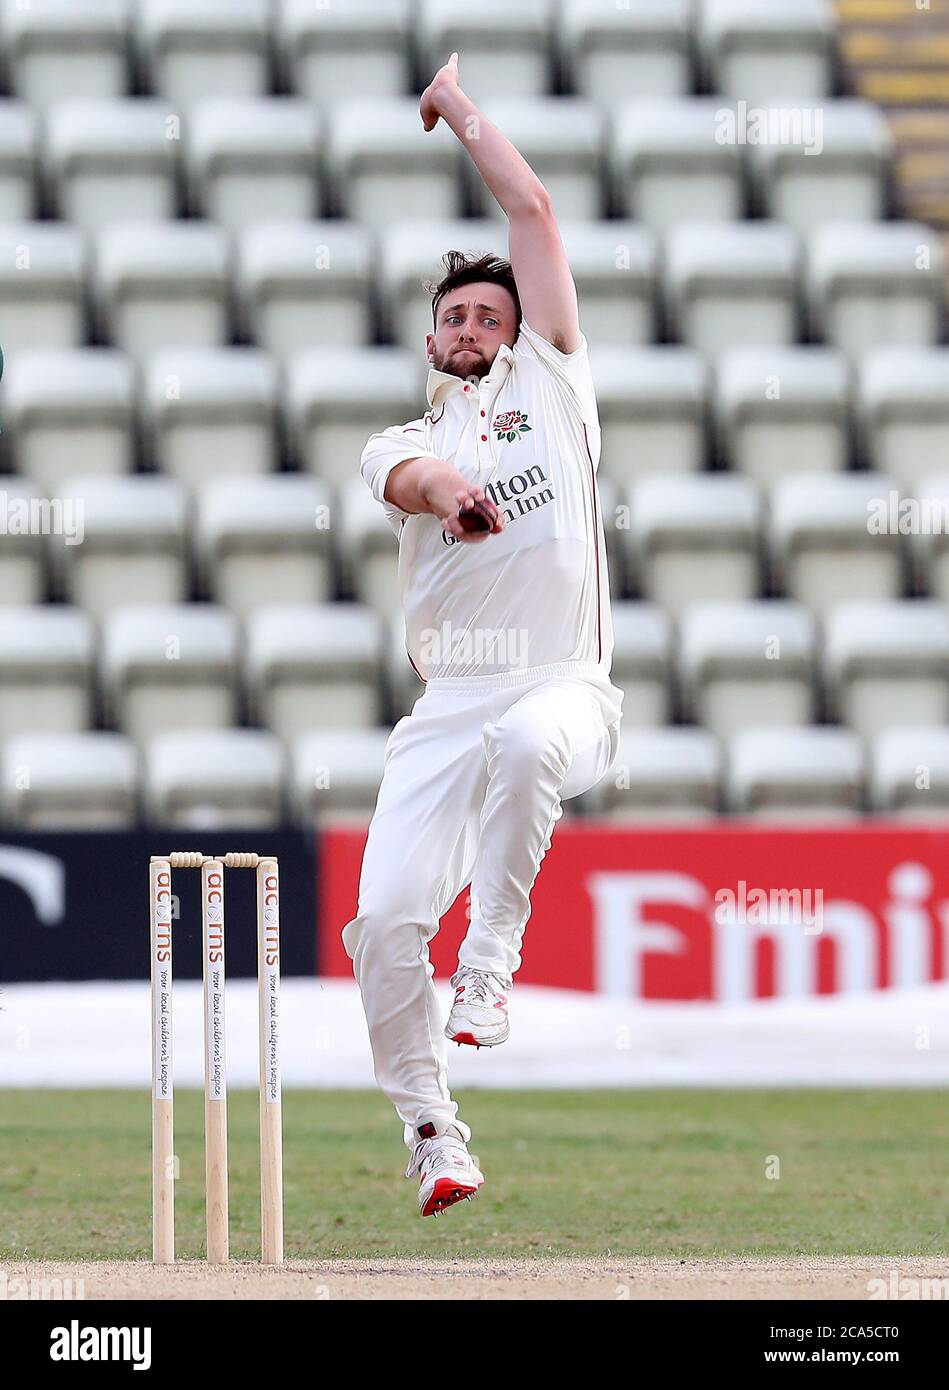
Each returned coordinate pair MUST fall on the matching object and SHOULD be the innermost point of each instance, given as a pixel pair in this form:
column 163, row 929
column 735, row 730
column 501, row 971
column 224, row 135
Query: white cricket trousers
column 472, row 789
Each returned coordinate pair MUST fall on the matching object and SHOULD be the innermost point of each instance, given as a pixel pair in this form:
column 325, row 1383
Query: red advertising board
column 726, row 912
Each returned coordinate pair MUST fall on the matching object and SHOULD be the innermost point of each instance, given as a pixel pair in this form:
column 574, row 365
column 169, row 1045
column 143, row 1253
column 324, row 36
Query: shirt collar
column 440, row 383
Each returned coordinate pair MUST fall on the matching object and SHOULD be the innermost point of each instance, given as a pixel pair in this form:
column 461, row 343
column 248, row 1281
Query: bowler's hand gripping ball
column 481, row 517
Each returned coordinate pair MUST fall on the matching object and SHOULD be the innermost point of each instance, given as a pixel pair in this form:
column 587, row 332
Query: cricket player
column 510, row 627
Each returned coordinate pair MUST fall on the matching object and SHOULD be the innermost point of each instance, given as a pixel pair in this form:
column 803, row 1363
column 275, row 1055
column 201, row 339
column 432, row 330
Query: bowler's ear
column 430, row 346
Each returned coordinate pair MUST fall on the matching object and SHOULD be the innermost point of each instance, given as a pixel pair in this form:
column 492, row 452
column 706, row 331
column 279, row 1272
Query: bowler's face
column 472, row 323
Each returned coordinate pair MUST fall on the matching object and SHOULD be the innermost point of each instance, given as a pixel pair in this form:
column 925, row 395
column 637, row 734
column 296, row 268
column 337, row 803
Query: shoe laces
column 479, row 984
column 433, row 1154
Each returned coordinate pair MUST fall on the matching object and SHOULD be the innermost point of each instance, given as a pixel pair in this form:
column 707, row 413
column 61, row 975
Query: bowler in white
column 510, row 628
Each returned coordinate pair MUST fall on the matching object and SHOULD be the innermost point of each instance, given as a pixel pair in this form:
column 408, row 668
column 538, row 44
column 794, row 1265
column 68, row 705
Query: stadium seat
column 910, row 778
column 264, row 540
column 187, row 48
column 336, row 773
column 210, row 412
column 112, row 161
column 732, row 285
column 85, row 781
column 209, row 779
column 337, row 398
column 134, row 544
column 874, row 285
column 315, row 667
column 53, row 314
column 780, row 411
column 18, row 162
column 928, row 523
column 824, row 548
column 814, row 774
column 410, row 254
column 254, row 161
column 780, row 51
column 161, row 285
column 169, row 667
column 694, row 537
column 608, row 50
column 903, row 406
column 652, row 409
column 46, row 667
column 327, row 52
column 615, row 269
column 369, row 553
column 303, row 285
column 670, row 166
column 661, row 775
column 642, row 663
column 66, row 49
column 835, row 173
column 887, row 662
column 562, row 140
column 69, row 413
column 22, row 542
column 383, row 166
column 745, row 665
column 502, row 47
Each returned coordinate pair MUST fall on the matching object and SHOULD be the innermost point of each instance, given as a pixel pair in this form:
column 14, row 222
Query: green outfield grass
column 665, row 1173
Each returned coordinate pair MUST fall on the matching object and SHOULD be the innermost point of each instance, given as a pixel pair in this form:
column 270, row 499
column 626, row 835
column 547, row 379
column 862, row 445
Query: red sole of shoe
column 468, row 1038
column 445, row 1194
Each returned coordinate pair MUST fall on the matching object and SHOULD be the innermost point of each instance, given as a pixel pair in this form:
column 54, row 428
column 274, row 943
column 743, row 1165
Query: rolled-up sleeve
column 383, row 452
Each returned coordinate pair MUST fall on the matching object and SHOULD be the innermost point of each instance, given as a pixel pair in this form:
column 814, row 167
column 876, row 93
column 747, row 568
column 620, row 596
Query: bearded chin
column 465, row 368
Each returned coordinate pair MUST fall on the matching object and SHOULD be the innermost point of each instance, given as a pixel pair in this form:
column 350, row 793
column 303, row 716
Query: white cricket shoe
column 479, row 1014
column 447, row 1173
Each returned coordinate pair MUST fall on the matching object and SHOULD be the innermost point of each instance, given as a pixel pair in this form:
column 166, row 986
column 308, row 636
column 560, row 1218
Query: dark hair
column 469, row 270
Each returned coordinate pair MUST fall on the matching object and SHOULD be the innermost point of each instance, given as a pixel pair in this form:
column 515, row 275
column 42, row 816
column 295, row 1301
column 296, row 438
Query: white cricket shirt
column 528, row 433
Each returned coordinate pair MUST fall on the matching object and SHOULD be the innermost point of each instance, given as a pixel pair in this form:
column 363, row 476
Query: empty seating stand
column 662, row 775
column 66, row 49
column 111, row 161
column 70, row 413
column 733, row 285
column 46, row 670
column 254, row 161
column 314, row 667
column 828, row 543
column 874, row 285
column 207, row 779
column 670, row 164
column 303, row 285
column 265, row 540
column 609, row 50
column 51, row 311
column 210, row 411
column 780, row 411
column 328, row 52
column 163, row 285
column 133, row 544
column 743, row 665
column 810, row 775
column 694, row 537
column 653, row 409
column 170, row 667
column 19, row 162
column 337, row 397
column 337, row 773
column 188, row 48
column 781, row 51
column 502, row 48
column 886, row 662
column 79, row 781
